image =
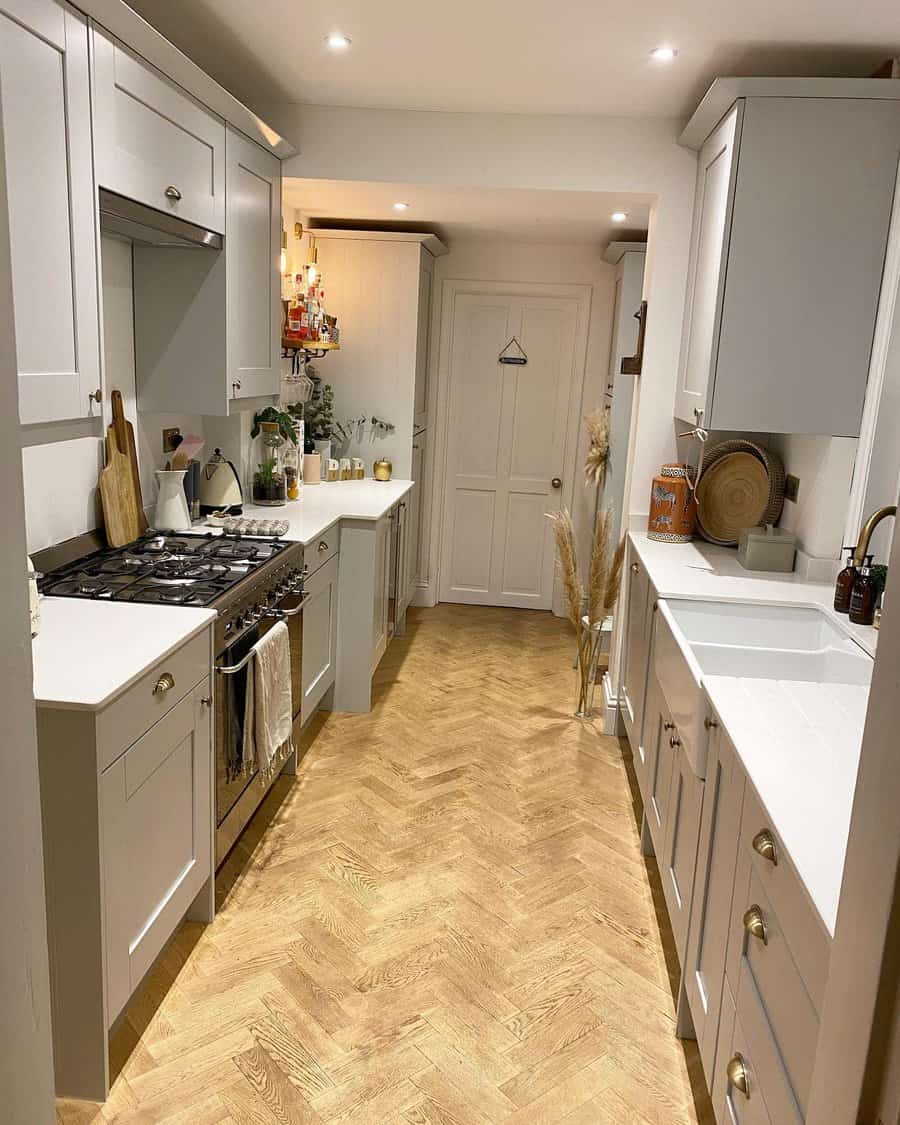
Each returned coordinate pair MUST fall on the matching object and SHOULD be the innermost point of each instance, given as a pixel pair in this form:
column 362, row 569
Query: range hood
column 149, row 227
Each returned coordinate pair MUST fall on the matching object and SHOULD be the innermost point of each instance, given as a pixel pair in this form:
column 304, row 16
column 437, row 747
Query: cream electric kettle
column 220, row 487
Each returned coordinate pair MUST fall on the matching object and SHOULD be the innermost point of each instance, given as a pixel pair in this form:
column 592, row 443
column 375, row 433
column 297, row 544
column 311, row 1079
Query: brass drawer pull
column 764, row 845
column 710, row 724
column 668, row 726
column 738, row 1075
column 755, row 924
column 323, row 546
column 173, row 193
column 634, row 568
column 674, row 742
column 165, row 683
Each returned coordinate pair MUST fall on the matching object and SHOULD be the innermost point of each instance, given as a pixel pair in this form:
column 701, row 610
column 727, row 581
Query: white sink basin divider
column 706, row 638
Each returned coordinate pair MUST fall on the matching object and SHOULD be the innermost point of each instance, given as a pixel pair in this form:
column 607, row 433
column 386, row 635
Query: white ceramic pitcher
column 172, row 512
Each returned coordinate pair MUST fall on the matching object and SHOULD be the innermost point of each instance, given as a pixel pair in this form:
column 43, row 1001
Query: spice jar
column 269, row 479
column 292, row 471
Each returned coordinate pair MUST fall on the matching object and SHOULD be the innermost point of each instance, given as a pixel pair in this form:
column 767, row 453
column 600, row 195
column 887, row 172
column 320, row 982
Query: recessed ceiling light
column 663, row 54
column 619, row 216
column 338, row 42
column 398, row 206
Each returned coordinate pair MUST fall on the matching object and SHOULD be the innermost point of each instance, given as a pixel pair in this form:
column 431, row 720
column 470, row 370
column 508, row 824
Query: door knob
column 738, row 1076
column 764, row 845
column 556, row 482
column 755, row 924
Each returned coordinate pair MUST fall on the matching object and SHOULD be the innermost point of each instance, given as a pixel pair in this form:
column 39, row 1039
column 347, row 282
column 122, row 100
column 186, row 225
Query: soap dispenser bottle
column 843, row 586
column 864, row 596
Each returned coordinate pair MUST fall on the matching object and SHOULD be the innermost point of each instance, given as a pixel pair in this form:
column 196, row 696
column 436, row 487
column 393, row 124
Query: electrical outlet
column 169, row 443
column 791, row 487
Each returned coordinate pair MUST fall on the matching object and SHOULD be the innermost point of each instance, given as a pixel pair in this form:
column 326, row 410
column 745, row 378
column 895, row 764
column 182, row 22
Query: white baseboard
column 612, row 719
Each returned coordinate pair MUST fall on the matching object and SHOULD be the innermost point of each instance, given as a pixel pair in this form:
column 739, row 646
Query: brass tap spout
column 862, row 546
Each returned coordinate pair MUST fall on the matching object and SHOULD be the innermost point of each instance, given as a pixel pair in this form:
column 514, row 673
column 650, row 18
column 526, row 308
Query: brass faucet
column 862, row 546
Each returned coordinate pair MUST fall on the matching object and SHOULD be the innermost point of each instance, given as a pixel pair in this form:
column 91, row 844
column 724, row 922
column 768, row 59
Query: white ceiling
column 520, row 56
column 520, row 215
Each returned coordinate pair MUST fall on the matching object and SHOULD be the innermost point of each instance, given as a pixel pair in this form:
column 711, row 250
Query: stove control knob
column 229, row 627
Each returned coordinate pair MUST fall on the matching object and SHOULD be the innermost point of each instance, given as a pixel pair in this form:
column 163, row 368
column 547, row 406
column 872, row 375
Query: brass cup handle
column 709, row 723
column 634, row 568
column 738, row 1075
column 755, row 924
column 323, row 546
column 764, row 845
column 165, row 683
column 556, row 482
column 173, row 193
column 668, row 726
column 674, row 742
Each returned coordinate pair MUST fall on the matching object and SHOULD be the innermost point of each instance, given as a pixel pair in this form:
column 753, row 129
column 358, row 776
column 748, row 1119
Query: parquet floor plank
column 444, row 920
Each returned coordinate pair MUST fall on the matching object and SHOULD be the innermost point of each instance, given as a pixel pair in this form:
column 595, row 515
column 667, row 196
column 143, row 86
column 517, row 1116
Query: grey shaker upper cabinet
column 791, row 218
column 153, row 142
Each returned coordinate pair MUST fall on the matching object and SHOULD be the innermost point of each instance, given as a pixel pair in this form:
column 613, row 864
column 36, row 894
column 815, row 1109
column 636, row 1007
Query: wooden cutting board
column 120, row 488
column 124, row 434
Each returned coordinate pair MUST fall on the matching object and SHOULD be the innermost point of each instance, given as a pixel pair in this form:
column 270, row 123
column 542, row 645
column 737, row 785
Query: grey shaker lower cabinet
column 704, row 964
column 638, row 630
column 320, row 620
column 155, row 815
column 126, row 806
column 679, row 851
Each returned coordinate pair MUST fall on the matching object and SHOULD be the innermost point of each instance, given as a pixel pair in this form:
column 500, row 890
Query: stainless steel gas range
column 252, row 583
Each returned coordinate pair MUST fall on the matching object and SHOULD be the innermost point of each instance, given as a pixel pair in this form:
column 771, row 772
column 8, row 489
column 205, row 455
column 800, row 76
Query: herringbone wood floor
column 446, row 919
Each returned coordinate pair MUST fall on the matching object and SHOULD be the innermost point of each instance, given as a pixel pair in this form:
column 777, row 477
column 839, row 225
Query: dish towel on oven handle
column 268, row 717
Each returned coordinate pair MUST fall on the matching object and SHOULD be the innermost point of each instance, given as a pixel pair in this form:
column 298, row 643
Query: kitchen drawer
column 768, row 1098
column 132, row 714
column 768, row 967
column 321, row 549
column 798, row 921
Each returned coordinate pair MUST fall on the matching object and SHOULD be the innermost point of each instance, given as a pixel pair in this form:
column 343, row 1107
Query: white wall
column 26, row 1054
column 824, row 466
column 62, row 463
column 525, row 262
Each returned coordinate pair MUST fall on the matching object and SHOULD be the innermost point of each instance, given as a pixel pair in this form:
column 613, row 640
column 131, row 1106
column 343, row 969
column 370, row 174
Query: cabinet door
column 706, row 265
column 252, row 251
column 420, row 394
column 704, row 966
column 381, row 600
column 637, row 647
column 319, row 637
column 658, row 733
column 679, row 851
column 155, row 812
column 411, row 549
column 45, row 94
column 152, row 141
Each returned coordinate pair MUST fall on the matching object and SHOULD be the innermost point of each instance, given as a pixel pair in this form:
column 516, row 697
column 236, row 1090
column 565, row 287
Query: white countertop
column 322, row 505
column 799, row 743
column 87, row 652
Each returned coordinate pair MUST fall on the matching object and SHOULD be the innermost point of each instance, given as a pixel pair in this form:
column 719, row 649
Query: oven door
column 231, row 700
column 290, row 611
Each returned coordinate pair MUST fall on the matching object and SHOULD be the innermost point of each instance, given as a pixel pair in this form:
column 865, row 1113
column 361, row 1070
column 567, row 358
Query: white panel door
column 45, row 93
column 506, row 444
column 252, row 283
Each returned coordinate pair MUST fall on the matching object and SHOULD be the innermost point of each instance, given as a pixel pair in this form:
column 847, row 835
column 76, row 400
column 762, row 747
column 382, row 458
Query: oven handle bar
column 280, row 614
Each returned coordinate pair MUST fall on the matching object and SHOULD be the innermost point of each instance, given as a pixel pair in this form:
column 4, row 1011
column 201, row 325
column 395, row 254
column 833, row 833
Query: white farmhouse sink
column 698, row 638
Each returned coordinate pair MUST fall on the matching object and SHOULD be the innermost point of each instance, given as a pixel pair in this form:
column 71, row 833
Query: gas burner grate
column 181, row 594
column 187, row 570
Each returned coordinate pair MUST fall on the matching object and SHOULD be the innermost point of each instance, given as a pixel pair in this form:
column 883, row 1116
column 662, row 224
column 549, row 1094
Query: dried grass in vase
column 597, row 423
column 603, row 590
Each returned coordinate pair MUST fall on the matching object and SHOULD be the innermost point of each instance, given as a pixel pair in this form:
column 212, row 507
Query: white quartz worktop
column 87, row 652
column 799, row 742
column 322, row 505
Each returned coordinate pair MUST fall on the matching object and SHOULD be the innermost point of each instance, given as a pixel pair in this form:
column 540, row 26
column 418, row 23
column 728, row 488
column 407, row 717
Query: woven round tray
column 741, row 485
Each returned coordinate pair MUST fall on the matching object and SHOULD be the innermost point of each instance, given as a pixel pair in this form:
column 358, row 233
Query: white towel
column 268, row 717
